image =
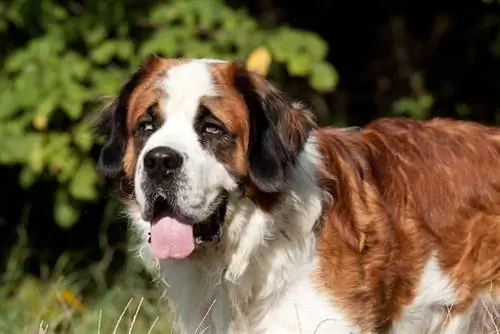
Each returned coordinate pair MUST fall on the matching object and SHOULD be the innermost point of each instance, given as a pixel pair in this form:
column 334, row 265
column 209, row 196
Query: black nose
column 161, row 160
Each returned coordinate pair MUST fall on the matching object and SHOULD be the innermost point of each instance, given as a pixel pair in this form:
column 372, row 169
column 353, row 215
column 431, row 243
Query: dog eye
column 146, row 125
column 213, row 129
column 146, row 122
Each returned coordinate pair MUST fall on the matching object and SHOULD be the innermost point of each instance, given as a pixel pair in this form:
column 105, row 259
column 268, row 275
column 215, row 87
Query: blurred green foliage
column 59, row 60
column 75, row 54
column 59, row 305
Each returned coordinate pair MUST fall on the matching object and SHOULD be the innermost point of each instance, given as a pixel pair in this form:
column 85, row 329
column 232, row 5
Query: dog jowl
column 182, row 142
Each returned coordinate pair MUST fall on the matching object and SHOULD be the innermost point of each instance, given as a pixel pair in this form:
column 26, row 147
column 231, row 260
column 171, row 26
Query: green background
column 64, row 263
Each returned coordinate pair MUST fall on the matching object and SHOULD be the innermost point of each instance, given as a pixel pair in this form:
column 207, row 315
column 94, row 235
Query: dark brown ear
column 278, row 129
column 113, row 123
column 111, row 127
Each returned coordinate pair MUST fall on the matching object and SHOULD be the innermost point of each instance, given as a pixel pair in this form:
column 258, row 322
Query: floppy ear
column 113, row 124
column 278, row 129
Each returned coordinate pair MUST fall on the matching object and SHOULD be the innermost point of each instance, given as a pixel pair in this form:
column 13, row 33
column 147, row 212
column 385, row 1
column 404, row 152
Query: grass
column 80, row 302
column 56, row 306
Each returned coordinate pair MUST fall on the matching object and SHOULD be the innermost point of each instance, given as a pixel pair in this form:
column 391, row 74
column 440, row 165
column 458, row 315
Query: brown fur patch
column 400, row 190
column 229, row 107
column 143, row 97
column 231, row 110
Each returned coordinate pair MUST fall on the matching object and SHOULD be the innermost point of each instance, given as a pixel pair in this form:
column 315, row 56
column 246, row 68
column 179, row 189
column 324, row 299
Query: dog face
column 185, row 136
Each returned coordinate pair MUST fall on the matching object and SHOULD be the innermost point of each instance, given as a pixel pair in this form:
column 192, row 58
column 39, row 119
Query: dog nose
column 161, row 160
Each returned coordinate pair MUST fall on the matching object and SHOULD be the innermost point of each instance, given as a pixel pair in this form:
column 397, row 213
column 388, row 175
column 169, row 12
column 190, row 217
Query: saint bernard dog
column 257, row 220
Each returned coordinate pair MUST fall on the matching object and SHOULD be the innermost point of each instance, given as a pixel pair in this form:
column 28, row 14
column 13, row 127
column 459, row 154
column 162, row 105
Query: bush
column 70, row 55
column 59, row 59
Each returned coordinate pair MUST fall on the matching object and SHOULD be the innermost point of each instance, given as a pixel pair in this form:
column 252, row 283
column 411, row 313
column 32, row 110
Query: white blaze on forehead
column 184, row 85
column 202, row 177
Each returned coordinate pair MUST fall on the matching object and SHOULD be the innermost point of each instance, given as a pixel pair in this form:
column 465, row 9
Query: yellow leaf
column 40, row 122
column 259, row 60
column 71, row 299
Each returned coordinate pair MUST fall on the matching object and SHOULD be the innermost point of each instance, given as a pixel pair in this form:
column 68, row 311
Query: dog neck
column 260, row 255
column 265, row 252
column 254, row 234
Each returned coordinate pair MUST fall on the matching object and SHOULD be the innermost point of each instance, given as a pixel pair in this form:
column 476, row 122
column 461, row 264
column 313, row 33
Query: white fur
column 255, row 276
column 430, row 310
column 202, row 176
column 257, row 279
column 427, row 310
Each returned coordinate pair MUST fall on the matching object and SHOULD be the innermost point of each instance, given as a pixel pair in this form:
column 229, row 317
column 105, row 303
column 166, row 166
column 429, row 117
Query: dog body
column 258, row 221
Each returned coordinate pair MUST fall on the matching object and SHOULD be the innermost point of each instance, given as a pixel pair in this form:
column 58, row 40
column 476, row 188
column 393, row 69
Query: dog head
column 183, row 136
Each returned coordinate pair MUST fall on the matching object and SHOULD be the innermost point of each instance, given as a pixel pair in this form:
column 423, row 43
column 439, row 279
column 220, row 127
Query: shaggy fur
column 393, row 228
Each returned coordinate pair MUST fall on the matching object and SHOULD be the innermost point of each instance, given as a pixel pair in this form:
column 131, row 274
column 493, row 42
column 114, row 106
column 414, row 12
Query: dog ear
column 113, row 123
column 278, row 129
column 112, row 127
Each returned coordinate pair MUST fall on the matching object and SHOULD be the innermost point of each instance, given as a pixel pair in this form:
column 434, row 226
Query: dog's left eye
column 213, row 129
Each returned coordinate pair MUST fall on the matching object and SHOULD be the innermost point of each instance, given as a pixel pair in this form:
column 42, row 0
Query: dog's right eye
column 146, row 123
column 146, row 126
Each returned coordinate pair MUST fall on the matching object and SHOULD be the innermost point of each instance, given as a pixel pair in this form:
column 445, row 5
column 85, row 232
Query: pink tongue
column 171, row 239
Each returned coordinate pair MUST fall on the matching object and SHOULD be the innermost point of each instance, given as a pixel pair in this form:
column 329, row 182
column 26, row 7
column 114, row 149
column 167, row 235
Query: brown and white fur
column 393, row 228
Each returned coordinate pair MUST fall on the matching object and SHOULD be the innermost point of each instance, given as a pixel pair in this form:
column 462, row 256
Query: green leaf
column 425, row 101
column 409, row 106
column 283, row 45
column 208, row 13
column 56, row 142
column 104, row 52
column 124, row 50
column 35, row 159
column 317, row 47
column 163, row 41
column 83, row 136
column 324, row 77
column 166, row 13
column 72, row 107
column 27, row 178
column 10, row 102
column 44, row 111
column 17, row 147
column 65, row 214
column 76, row 65
column 300, row 65
column 64, row 165
column 62, row 57
column 96, row 34
column 404, row 105
column 84, row 182
column 107, row 82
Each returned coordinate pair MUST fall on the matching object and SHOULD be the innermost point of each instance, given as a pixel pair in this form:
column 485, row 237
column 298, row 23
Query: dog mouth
column 175, row 236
